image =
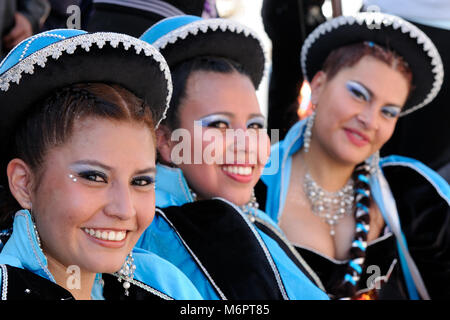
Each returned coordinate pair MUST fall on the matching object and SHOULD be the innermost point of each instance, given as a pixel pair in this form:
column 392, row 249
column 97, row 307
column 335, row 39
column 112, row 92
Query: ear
column 317, row 84
column 20, row 182
column 164, row 144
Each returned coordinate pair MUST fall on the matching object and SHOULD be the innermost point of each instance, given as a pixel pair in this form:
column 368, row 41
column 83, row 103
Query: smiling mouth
column 240, row 170
column 356, row 137
column 109, row 235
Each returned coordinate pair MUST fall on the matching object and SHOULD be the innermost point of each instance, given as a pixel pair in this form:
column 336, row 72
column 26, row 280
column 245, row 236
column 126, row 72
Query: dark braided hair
column 347, row 287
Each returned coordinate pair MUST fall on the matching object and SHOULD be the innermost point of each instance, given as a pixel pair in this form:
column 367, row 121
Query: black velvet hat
column 387, row 31
column 58, row 58
column 184, row 37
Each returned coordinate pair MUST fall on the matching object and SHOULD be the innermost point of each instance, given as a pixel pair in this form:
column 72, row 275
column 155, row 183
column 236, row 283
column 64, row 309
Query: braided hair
column 347, row 288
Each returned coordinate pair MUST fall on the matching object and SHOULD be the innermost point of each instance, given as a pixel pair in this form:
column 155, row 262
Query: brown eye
column 143, row 181
column 218, row 125
column 94, row 176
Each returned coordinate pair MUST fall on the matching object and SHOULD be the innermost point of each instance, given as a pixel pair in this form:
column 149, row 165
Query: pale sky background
column 248, row 12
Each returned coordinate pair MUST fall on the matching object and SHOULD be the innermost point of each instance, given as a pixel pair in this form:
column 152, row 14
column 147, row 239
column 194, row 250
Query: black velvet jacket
column 21, row 284
column 425, row 221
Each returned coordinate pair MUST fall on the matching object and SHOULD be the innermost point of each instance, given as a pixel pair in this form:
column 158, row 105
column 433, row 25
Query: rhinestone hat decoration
column 378, row 18
column 329, row 206
column 68, row 45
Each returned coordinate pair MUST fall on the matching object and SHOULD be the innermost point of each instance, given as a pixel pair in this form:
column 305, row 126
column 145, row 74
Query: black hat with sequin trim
column 385, row 30
column 57, row 58
column 181, row 38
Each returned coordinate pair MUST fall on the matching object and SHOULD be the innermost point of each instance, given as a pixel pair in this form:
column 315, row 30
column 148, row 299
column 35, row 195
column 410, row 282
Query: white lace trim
column 204, row 26
column 373, row 19
column 85, row 41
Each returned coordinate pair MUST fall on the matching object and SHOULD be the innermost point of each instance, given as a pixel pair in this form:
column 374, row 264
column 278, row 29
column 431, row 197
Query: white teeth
column 243, row 171
column 106, row 235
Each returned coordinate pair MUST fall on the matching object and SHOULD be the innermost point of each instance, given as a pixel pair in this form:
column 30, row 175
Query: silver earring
column 308, row 131
column 126, row 273
column 373, row 162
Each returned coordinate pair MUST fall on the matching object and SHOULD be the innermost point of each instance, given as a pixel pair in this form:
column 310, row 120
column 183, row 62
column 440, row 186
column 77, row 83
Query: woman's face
column 356, row 110
column 96, row 194
column 228, row 150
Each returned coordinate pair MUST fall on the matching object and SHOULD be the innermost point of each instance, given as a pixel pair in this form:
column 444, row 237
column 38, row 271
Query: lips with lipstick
column 240, row 173
column 356, row 137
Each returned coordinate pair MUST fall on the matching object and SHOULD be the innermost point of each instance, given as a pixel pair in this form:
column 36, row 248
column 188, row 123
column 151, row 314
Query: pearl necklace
column 329, row 206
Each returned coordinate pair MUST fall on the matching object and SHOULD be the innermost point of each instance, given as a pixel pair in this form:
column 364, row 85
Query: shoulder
column 403, row 169
column 163, row 276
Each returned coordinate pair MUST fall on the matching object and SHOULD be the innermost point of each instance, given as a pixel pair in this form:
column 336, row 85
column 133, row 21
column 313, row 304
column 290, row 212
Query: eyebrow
column 372, row 94
column 231, row 115
column 96, row 163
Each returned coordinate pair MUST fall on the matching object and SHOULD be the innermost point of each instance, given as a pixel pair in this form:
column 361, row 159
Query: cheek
column 385, row 132
column 145, row 209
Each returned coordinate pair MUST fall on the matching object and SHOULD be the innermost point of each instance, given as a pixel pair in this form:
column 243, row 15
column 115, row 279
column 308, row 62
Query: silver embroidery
column 85, row 41
column 4, row 279
column 204, row 26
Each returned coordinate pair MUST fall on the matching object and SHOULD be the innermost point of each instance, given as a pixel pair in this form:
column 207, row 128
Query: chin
column 239, row 199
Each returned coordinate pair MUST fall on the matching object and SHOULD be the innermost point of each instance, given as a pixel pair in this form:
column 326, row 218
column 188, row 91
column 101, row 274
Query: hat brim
column 211, row 37
column 385, row 30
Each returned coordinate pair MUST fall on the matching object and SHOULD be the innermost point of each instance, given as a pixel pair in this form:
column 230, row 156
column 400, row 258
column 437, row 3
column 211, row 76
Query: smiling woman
column 209, row 224
column 333, row 197
column 78, row 180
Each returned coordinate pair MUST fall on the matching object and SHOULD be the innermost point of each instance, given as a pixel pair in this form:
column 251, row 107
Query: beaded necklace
column 331, row 207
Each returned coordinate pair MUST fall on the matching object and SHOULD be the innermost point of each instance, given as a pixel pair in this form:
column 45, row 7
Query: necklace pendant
column 332, row 231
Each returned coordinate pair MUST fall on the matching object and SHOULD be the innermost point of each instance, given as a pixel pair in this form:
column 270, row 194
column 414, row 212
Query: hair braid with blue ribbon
column 347, row 288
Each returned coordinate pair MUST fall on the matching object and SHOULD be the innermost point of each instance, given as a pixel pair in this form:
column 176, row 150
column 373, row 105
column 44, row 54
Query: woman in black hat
column 363, row 235
column 78, row 168
column 212, row 149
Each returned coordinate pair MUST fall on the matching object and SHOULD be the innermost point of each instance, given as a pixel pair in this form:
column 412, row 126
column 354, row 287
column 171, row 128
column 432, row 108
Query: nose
column 244, row 145
column 368, row 117
column 120, row 202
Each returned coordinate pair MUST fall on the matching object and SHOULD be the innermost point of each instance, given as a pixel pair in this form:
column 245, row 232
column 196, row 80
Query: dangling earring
column 308, row 131
column 373, row 162
column 251, row 207
column 38, row 239
column 126, row 273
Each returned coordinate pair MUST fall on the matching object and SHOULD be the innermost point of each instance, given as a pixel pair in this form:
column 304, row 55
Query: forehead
column 108, row 141
column 377, row 76
column 208, row 91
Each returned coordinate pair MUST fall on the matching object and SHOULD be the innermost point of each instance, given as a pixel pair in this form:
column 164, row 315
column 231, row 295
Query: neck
column 78, row 282
column 328, row 173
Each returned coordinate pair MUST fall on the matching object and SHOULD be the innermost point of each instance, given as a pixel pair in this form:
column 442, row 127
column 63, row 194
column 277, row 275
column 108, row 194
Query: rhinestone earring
column 373, row 162
column 308, row 131
column 126, row 273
